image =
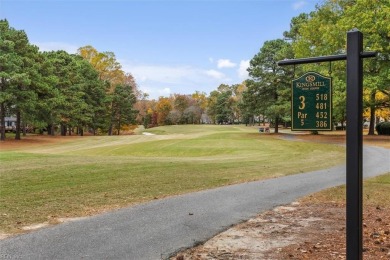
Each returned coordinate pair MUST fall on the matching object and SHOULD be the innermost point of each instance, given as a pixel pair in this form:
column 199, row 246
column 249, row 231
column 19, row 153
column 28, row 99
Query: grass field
column 81, row 176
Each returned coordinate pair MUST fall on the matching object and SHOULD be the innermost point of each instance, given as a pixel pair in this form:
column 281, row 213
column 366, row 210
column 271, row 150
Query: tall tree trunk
column 24, row 129
column 110, row 129
column 63, row 130
column 2, row 120
column 17, row 134
column 371, row 130
column 48, row 129
column 119, row 121
column 276, row 125
column 119, row 128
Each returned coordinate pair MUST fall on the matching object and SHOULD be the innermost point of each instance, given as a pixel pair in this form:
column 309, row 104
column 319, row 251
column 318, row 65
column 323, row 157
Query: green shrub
column 383, row 128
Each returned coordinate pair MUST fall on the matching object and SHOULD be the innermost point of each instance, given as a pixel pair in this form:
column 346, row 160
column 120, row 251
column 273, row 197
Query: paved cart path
column 157, row 229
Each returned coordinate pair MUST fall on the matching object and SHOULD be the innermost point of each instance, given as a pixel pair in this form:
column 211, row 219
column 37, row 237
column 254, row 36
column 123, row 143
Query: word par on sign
column 311, row 103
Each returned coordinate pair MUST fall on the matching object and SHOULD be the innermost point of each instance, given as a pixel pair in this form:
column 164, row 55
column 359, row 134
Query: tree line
column 89, row 90
column 267, row 94
column 57, row 91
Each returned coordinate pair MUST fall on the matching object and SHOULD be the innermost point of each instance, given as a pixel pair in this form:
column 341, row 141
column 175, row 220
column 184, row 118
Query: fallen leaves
column 318, row 232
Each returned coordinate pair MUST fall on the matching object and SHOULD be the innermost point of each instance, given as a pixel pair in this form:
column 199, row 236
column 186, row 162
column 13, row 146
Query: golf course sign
column 312, row 102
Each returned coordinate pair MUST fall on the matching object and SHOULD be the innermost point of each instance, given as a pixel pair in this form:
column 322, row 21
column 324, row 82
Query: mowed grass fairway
column 88, row 175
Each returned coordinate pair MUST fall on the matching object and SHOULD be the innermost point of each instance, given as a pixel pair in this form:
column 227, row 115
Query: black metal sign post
column 354, row 146
column 354, row 142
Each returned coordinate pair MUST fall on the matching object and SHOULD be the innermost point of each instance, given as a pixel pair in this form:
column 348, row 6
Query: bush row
column 383, row 128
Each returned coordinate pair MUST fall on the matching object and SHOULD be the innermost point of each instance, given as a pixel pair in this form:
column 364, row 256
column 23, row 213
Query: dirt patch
column 297, row 231
column 35, row 141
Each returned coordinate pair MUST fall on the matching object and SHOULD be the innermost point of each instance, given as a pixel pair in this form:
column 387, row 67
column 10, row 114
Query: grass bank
column 376, row 192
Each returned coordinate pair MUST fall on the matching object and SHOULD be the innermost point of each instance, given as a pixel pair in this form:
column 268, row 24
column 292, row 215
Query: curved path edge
column 157, row 229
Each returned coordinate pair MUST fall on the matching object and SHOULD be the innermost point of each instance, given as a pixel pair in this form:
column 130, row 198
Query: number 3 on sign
column 302, row 99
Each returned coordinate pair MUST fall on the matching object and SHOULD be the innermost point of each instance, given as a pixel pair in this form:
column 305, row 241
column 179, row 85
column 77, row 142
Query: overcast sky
column 169, row 46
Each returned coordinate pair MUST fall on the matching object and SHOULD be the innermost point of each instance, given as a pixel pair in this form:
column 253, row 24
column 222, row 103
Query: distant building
column 10, row 123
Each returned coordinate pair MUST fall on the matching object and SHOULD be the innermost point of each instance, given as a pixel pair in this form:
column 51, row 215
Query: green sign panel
column 311, row 102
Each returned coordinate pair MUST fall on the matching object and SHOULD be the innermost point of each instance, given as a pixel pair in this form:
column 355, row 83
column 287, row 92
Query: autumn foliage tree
column 163, row 107
column 322, row 32
column 119, row 109
column 81, row 91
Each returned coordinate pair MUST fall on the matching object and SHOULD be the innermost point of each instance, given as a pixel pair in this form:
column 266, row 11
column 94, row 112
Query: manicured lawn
column 88, row 175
